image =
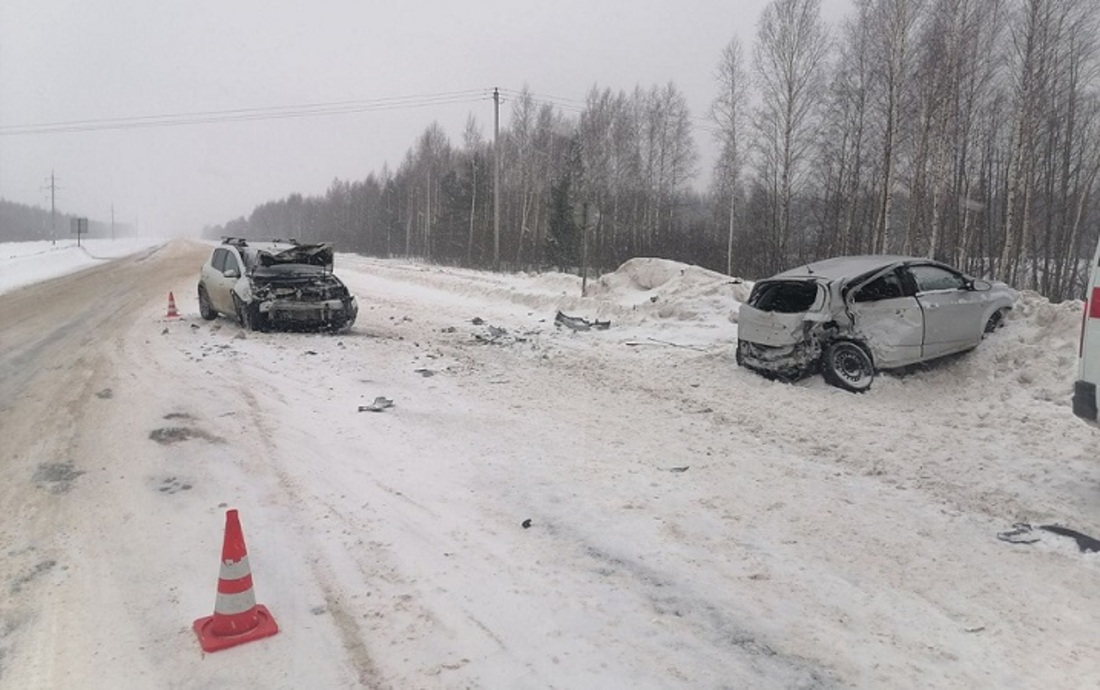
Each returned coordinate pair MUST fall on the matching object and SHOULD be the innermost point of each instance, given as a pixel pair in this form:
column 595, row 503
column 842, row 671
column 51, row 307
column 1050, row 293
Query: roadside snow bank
column 675, row 290
column 26, row 263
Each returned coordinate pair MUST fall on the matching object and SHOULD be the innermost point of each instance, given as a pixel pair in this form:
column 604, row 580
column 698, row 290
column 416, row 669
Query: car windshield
column 786, row 297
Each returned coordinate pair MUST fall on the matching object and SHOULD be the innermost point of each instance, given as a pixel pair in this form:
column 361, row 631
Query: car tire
column 247, row 315
column 846, row 364
column 206, row 310
column 996, row 320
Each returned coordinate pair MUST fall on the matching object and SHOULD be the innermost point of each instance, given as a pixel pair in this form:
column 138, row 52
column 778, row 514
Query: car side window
column 218, row 260
column 231, row 264
column 886, row 286
column 929, row 278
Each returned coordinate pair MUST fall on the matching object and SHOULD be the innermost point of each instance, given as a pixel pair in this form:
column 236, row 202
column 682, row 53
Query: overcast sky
column 78, row 61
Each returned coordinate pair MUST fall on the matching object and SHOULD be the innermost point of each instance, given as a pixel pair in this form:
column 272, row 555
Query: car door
column 890, row 321
column 952, row 310
column 225, row 271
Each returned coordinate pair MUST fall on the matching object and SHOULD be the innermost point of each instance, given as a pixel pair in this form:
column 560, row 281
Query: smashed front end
column 296, row 289
column 781, row 329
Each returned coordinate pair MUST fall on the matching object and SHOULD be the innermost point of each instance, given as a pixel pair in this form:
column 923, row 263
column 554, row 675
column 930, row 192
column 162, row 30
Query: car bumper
column 785, row 361
column 333, row 311
column 1084, row 400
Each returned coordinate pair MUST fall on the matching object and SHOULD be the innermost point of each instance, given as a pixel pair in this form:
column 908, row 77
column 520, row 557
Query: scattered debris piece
column 105, row 394
column 578, row 323
column 449, row 329
column 501, row 336
column 380, row 403
column 477, row 321
column 1019, row 534
column 526, row 523
column 682, row 468
column 164, row 332
column 1023, row 533
column 426, row 373
column 310, row 352
column 975, row 629
column 1084, row 542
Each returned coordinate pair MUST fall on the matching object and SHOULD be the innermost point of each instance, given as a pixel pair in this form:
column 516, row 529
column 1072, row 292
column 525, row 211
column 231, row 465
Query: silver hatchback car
column 851, row 316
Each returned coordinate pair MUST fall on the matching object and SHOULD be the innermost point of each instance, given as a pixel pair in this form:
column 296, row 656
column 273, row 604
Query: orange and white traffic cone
column 172, row 313
column 237, row 617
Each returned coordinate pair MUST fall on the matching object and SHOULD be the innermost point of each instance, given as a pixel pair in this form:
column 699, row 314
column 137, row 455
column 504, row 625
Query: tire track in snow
column 351, row 634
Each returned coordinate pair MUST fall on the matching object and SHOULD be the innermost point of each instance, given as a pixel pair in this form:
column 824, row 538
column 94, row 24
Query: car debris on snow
column 1023, row 533
column 578, row 323
column 496, row 335
column 380, row 404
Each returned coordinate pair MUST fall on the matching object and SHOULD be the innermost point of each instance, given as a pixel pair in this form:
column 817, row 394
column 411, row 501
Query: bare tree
column 728, row 113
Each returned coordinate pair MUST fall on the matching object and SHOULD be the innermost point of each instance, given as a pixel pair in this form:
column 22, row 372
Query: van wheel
column 847, row 365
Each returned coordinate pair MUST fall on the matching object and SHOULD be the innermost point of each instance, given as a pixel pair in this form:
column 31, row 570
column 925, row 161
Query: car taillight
column 1091, row 311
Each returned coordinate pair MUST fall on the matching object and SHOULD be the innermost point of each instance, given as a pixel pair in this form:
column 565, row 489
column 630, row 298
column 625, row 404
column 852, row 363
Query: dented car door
column 952, row 311
column 887, row 319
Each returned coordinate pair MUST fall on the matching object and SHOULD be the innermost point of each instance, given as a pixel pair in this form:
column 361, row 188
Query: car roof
column 841, row 267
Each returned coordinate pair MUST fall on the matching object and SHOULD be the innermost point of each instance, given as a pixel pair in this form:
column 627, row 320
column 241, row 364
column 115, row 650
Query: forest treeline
column 964, row 130
column 22, row 223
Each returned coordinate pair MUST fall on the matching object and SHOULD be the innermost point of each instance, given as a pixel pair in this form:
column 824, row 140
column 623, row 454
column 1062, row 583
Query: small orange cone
column 237, row 617
column 172, row 313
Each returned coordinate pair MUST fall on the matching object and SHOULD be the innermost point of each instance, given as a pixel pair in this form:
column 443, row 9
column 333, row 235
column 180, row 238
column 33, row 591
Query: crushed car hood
column 302, row 254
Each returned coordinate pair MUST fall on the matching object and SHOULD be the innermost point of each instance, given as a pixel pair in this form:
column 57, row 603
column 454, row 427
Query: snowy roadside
column 691, row 524
column 26, row 263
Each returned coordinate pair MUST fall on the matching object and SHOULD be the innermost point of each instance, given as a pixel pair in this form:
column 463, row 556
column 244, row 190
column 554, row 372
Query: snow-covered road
column 691, row 525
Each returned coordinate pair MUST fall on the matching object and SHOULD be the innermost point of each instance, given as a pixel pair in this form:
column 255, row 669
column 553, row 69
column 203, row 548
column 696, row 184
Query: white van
column 1088, row 360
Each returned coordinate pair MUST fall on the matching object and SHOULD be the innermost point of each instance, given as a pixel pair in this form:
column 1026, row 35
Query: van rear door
column 1088, row 360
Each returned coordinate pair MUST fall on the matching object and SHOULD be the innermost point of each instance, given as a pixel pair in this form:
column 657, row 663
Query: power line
column 250, row 114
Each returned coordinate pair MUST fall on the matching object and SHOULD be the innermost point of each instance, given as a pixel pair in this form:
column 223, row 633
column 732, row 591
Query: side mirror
column 232, row 273
column 980, row 285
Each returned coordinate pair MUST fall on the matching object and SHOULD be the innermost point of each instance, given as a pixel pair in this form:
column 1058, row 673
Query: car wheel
column 206, row 310
column 246, row 315
column 996, row 320
column 847, row 365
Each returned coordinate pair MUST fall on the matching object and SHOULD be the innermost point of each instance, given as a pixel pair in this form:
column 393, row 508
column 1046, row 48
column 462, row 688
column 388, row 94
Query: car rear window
column 785, row 297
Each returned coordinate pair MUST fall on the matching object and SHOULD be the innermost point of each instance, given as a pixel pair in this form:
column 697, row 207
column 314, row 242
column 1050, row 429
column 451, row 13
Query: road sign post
column 78, row 226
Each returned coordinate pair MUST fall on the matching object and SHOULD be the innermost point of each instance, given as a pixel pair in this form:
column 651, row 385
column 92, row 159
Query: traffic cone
column 237, row 617
column 172, row 313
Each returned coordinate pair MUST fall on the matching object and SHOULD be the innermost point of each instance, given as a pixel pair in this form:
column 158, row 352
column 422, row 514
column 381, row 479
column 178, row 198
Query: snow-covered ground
column 25, row 263
column 550, row 508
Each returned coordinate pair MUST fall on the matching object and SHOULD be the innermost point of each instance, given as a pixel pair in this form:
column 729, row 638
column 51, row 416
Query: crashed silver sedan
column 850, row 316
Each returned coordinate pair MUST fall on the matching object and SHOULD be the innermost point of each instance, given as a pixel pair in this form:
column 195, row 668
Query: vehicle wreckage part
column 847, row 365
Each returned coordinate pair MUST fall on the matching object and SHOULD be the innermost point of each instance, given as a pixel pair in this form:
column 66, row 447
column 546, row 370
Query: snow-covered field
column 545, row 508
column 25, row 263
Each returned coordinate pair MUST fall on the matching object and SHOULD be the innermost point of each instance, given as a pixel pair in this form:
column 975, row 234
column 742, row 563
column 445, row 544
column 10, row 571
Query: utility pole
column 53, row 209
column 496, row 179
